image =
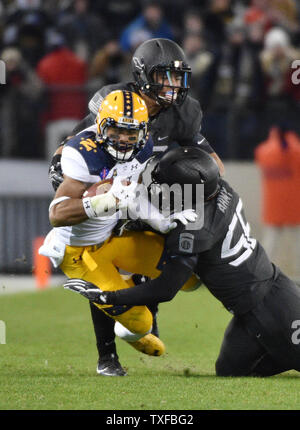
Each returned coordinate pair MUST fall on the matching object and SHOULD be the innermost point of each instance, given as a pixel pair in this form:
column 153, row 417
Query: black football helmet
column 157, row 57
column 188, row 165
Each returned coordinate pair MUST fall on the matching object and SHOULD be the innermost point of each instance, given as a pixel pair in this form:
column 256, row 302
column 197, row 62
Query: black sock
column 104, row 332
column 153, row 308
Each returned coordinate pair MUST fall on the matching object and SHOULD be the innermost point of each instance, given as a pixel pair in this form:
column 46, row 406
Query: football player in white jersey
column 81, row 243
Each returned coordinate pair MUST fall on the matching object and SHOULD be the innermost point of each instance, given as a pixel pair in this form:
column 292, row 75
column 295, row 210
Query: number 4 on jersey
column 245, row 241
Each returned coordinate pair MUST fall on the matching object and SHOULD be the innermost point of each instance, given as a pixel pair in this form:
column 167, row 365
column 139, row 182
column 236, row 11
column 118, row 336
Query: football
column 101, row 187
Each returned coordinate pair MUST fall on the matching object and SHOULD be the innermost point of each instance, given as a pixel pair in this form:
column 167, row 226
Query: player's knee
column 137, row 321
column 140, row 326
column 125, row 334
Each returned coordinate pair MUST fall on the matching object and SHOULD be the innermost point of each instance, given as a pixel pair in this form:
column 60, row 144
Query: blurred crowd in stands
column 59, row 52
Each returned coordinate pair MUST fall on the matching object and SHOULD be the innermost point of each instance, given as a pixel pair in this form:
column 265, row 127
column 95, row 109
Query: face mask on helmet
column 122, row 125
column 122, row 143
column 170, row 84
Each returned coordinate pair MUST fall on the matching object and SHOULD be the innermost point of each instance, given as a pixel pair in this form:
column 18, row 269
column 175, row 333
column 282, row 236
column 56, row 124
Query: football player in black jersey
column 263, row 337
column 161, row 77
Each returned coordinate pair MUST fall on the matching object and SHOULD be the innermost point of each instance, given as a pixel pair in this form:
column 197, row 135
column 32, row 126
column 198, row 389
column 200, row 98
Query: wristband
column 87, row 206
column 99, row 205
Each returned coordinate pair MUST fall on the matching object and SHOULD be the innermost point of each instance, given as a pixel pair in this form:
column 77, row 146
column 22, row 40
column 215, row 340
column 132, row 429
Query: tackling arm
column 162, row 289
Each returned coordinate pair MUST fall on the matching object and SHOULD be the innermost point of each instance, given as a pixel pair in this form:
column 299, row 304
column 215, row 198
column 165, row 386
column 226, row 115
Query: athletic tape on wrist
column 87, row 206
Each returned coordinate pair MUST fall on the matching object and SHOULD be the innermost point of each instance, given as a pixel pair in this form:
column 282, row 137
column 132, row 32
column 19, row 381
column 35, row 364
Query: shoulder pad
column 83, row 136
column 97, row 160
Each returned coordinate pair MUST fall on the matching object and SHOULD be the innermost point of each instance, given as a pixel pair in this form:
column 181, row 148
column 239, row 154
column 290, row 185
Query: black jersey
column 231, row 263
column 173, row 125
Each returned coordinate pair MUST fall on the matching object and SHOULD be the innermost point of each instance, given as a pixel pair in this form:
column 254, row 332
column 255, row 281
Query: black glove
column 55, row 173
column 88, row 290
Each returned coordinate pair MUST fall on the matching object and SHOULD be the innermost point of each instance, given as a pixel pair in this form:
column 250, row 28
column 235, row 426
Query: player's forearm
column 68, row 212
column 161, row 289
column 74, row 211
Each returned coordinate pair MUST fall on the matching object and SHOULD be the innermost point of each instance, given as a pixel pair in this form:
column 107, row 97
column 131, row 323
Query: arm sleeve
column 161, row 289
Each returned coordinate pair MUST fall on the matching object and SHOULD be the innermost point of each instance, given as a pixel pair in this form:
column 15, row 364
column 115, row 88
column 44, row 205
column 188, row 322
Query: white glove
column 143, row 209
column 165, row 225
column 118, row 197
column 186, row 216
column 123, row 192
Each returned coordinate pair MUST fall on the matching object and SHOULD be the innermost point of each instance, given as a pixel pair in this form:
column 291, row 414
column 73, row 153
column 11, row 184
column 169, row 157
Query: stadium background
column 58, row 53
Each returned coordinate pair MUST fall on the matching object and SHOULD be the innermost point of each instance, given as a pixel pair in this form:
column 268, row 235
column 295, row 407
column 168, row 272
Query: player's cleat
column 110, row 366
column 150, row 345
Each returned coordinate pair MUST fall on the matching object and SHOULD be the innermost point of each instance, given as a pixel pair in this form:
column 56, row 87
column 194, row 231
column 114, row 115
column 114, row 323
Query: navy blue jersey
column 97, row 160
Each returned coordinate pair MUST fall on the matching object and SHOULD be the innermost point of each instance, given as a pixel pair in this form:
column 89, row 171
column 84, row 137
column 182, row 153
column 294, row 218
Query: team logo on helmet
column 138, row 63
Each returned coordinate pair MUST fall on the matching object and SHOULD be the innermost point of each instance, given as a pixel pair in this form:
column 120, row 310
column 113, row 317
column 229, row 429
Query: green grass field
column 49, row 360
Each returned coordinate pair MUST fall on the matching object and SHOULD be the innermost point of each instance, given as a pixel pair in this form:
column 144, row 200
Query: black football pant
column 266, row 340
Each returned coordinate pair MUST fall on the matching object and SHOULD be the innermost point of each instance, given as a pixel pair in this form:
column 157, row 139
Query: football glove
column 55, row 173
column 118, row 197
column 123, row 192
column 88, row 290
column 165, row 225
column 150, row 214
column 186, row 216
